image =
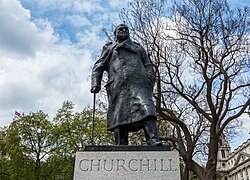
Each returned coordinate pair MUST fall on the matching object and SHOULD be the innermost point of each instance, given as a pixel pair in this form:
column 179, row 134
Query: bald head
column 121, row 32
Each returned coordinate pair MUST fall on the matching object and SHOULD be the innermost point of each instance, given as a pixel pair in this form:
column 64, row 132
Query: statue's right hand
column 95, row 89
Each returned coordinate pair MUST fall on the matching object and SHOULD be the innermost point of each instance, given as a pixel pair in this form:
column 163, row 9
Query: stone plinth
column 127, row 163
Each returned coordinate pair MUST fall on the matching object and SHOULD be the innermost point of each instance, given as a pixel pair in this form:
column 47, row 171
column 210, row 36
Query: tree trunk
column 185, row 174
column 210, row 172
column 38, row 170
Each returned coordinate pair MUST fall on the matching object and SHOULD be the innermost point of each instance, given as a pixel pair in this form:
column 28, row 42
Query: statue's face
column 122, row 33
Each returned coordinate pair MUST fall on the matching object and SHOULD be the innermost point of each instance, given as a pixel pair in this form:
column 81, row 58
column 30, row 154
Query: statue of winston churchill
column 130, row 88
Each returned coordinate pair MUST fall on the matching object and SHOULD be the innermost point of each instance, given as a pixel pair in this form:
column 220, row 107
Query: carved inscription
column 127, row 165
column 97, row 165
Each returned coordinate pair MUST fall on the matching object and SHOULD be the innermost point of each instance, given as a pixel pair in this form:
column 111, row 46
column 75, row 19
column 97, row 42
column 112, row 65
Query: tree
column 28, row 144
column 17, row 164
column 35, row 148
column 4, row 168
column 71, row 133
column 201, row 56
column 73, row 130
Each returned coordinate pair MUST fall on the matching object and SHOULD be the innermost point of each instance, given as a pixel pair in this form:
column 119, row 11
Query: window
column 223, row 155
column 243, row 158
column 220, row 142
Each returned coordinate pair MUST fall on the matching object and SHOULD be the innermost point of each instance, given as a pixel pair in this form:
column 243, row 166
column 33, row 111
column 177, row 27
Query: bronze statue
column 130, row 88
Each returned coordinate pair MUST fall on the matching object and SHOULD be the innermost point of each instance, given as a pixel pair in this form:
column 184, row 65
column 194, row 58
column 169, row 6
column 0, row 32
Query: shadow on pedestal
column 127, row 148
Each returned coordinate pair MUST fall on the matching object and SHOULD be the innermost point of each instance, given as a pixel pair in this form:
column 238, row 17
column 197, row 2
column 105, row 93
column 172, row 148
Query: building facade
column 234, row 165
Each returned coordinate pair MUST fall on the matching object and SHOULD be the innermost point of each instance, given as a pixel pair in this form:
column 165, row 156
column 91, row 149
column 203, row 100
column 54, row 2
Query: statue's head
column 121, row 32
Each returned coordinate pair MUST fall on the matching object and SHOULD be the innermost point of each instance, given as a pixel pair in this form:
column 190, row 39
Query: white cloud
column 88, row 39
column 18, row 34
column 86, row 6
column 244, row 133
column 246, row 122
column 77, row 6
column 118, row 4
column 39, row 66
column 78, row 21
column 44, row 82
column 37, row 69
column 46, row 5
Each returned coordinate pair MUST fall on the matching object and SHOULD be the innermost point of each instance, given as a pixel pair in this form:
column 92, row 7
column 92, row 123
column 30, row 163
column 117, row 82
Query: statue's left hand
column 95, row 89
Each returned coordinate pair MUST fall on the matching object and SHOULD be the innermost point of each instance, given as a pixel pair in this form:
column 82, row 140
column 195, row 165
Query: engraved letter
column 145, row 164
column 155, row 164
column 170, row 165
column 81, row 165
column 111, row 165
column 120, row 165
column 162, row 165
column 97, row 164
column 129, row 165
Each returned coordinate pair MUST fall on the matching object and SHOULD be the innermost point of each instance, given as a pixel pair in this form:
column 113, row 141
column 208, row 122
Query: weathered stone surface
column 127, row 165
column 128, row 148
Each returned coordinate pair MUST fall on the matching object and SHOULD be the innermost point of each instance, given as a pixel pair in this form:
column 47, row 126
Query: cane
column 93, row 121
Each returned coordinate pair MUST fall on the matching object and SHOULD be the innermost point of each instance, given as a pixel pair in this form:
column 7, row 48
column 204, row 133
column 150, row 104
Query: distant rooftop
column 244, row 144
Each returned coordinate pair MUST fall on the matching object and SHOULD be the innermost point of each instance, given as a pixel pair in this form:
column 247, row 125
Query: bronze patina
column 129, row 87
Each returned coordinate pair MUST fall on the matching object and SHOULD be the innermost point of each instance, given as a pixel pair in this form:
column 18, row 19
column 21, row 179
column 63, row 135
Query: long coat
column 130, row 82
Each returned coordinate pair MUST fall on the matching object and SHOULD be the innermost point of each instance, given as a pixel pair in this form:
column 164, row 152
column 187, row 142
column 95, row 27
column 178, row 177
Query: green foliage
column 64, row 134
column 101, row 135
column 28, row 143
column 137, row 138
column 4, row 168
column 18, row 163
column 34, row 147
column 59, row 167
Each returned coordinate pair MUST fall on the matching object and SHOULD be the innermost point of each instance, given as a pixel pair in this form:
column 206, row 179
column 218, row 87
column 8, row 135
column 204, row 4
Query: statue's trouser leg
column 121, row 136
column 151, row 131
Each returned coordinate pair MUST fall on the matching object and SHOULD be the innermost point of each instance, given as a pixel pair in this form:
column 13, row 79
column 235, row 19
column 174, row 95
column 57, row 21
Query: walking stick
column 93, row 121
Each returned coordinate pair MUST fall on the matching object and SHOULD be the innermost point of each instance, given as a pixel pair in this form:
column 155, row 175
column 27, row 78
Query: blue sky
column 47, row 49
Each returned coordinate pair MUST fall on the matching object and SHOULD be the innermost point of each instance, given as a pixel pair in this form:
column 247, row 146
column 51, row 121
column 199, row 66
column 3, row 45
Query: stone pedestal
column 127, row 163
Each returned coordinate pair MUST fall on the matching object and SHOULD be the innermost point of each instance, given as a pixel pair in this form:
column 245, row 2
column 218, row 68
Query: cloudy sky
column 47, row 49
